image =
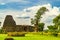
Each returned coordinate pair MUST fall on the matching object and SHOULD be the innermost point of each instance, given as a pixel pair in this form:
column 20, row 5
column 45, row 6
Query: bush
column 8, row 39
column 46, row 31
column 16, row 34
column 55, row 34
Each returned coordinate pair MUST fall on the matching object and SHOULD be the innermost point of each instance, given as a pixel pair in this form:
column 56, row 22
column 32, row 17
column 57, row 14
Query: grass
column 31, row 37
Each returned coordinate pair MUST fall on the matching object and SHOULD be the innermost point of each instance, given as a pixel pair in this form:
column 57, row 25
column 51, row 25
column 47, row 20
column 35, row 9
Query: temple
column 9, row 25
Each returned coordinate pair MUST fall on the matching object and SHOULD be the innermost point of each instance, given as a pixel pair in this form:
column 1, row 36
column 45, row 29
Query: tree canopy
column 38, row 17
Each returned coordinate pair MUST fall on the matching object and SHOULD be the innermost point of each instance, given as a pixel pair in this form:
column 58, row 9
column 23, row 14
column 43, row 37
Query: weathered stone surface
column 9, row 24
column 9, row 21
column 24, row 28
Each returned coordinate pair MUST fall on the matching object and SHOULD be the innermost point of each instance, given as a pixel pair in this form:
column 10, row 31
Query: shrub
column 46, row 31
column 8, row 39
column 55, row 34
column 16, row 34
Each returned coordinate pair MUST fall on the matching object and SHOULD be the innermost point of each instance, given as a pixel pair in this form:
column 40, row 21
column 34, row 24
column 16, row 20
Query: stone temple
column 9, row 25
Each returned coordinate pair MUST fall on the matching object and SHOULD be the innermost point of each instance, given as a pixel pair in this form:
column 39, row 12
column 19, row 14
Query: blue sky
column 23, row 10
column 21, row 4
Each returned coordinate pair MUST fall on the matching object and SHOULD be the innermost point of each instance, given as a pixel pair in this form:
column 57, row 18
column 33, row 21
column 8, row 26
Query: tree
column 56, row 21
column 52, row 28
column 38, row 17
column 41, row 26
column 56, row 27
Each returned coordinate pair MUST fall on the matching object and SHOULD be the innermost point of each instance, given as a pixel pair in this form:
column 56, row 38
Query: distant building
column 10, row 26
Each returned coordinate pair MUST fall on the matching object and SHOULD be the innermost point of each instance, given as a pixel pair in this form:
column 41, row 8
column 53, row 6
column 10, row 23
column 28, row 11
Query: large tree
column 38, row 17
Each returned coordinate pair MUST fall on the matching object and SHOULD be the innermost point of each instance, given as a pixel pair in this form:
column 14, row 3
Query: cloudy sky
column 23, row 10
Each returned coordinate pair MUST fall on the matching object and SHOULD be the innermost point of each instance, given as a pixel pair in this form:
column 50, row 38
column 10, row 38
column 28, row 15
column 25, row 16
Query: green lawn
column 31, row 37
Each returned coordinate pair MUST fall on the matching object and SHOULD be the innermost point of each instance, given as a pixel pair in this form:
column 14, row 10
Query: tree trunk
column 36, row 28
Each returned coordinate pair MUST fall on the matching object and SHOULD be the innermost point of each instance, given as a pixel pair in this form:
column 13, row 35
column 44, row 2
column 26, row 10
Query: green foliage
column 56, row 20
column 46, row 31
column 32, row 21
column 56, row 27
column 41, row 26
column 1, row 31
column 38, row 17
column 40, row 12
column 52, row 27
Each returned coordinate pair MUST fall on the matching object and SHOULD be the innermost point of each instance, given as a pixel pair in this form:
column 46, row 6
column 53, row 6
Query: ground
column 31, row 37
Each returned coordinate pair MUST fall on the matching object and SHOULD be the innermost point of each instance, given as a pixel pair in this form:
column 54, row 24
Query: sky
column 23, row 10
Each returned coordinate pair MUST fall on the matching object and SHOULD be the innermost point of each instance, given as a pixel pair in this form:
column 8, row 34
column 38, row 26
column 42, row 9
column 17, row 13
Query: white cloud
column 48, row 16
column 23, row 15
column 2, row 3
column 22, row 1
column 31, row 12
column 15, row 0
